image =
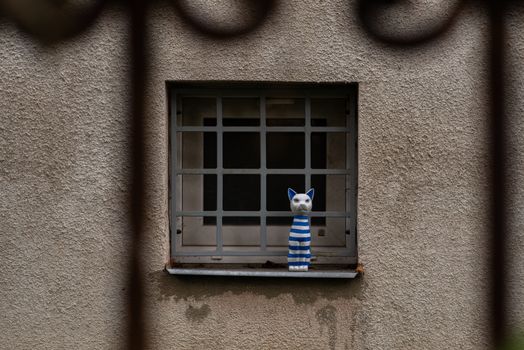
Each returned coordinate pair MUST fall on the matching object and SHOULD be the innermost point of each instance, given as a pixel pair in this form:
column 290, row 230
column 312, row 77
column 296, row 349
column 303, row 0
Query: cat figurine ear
column 290, row 193
column 311, row 193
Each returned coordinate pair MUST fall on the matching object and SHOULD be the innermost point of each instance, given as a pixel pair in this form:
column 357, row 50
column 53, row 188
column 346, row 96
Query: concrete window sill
column 263, row 272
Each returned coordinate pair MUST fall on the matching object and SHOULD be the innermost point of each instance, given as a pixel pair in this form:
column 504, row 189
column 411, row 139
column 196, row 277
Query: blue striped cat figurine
column 299, row 254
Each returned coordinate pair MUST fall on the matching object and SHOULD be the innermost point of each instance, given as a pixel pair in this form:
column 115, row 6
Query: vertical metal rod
column 263, row 175
column 173, row 176
column 135, row 329
column 498, row 175
column 352, row 165
column 308, row 143
column 220, row 175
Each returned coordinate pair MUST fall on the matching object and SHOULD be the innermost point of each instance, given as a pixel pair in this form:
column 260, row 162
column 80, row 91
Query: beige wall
column 422, row 176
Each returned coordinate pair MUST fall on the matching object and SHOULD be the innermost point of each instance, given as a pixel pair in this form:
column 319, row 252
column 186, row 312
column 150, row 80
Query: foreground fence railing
column 55, row 20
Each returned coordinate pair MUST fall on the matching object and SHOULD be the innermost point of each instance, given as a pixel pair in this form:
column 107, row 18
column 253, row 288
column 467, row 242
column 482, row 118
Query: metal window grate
column 217, row 252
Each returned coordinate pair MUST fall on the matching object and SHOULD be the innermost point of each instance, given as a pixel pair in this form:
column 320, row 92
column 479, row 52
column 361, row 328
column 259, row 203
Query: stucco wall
column 422, row 181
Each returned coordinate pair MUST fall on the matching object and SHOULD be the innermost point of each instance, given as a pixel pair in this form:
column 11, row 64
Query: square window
column 234, row 153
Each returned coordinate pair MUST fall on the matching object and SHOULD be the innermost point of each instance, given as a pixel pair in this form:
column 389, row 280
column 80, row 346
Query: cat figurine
column 299, row 254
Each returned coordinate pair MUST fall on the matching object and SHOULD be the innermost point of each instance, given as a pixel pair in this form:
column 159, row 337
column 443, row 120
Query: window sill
column 263, row 272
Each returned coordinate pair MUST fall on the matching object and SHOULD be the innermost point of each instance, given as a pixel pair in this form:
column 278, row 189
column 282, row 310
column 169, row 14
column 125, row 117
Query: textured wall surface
column 422, row 182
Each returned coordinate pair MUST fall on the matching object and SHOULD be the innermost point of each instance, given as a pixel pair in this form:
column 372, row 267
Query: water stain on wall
column 327, row 318
column 197, row 314
column 200, row 288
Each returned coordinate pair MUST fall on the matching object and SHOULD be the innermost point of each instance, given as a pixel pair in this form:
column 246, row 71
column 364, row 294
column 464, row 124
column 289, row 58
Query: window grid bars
column 335, row 214
column 263, row 171
column 259, row 128
column 263, row 175
column 343, row 252
column 259, row 171
column 219, row 204
column 173, row 222
column 352, row 159
column 349, row 183
column 308, row 142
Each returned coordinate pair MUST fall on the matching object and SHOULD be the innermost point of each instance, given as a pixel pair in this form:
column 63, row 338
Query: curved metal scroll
column 51, row 21
column 260, row 11
column 368, row 11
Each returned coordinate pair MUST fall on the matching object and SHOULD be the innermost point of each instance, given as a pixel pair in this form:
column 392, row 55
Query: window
column 234, row 151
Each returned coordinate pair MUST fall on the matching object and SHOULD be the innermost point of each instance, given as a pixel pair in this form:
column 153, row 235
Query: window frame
column 205, row 255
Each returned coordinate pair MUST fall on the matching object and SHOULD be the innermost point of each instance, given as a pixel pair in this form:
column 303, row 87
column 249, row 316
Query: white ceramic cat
column 299, row 254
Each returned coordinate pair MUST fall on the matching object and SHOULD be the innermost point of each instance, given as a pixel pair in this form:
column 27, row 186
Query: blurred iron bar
column 139, row 65
column 498, row 122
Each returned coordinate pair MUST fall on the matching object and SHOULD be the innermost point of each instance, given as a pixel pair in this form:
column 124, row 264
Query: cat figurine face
column 301, row 203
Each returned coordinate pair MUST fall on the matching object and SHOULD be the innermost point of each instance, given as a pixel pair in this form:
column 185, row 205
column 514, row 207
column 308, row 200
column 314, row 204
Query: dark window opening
column 284, row 150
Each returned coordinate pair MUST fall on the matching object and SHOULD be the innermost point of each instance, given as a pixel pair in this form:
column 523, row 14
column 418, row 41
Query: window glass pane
column 241, row 150
column 285, row 150
column 193, row 110
column 331, row 110
column 278, row 231
column 241, row 220
column 330, row 234
column 318, row 150
column 235, row 232
column 196, row 192
column 197, row 231
column 241, row 111
column 210, row 192
column 241, row 192
column 285, row 111
column 330, row 194
column 318, row 122
column 197, row 149
column 318, row 182
column 328, row 150
column 276, row 195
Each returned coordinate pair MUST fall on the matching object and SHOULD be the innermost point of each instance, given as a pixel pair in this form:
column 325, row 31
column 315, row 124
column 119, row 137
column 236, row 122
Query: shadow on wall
column 302, row 290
